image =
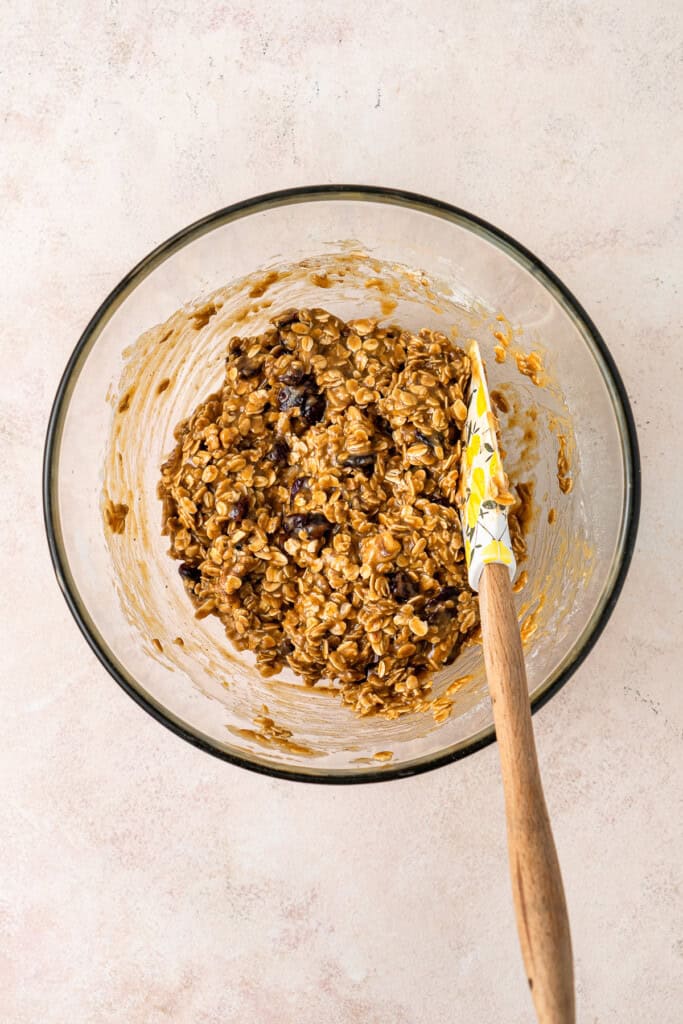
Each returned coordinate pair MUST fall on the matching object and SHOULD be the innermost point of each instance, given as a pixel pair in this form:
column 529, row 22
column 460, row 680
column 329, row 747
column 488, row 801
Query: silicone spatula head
column 484, row 491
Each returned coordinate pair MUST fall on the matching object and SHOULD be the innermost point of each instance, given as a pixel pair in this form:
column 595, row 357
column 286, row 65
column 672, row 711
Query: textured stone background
column 140, row 880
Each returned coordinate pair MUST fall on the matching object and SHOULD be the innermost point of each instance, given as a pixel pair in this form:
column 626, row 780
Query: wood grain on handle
column 542, row 919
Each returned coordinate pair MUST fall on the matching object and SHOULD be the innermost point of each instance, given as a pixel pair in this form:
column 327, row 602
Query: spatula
column 542, row 921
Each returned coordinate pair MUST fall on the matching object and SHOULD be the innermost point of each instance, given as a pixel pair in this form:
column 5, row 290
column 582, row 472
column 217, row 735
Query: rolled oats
column 311, row 503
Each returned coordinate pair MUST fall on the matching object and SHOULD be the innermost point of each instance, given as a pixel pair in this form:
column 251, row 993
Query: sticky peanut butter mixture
column 311, row 504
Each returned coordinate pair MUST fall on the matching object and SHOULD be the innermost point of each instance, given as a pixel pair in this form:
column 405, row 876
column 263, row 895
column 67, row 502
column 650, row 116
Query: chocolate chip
column 402, row 586
column 313, row 524
column 247, row 368
column 299, row 482
column 294, row 523
column 453, row 434
column 438, row 604
column 438, row 499
column 365, row 463
column 317, row 526
column 301, row 391
column 189, row 572
column 239, row 509
column 313, row 409
column 291, row 396
column 430, row 439
column 293, row 375
column 279, row 453
column 384, row 426
column 298, row 387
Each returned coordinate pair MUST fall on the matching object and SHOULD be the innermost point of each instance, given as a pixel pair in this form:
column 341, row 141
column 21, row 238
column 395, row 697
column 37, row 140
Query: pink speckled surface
column 143, row 882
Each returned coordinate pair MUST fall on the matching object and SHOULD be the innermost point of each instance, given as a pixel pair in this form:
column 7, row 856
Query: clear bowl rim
column 362, row 193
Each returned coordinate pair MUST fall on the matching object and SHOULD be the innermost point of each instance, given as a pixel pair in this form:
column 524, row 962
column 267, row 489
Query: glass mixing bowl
column 358, row 252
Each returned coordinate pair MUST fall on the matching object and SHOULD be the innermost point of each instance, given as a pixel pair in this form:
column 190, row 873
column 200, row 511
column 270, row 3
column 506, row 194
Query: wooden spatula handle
column 542, row 920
